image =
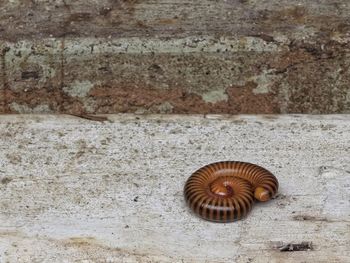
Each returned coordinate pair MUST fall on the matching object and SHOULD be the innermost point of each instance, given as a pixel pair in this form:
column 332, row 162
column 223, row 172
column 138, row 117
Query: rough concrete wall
column 235, row 56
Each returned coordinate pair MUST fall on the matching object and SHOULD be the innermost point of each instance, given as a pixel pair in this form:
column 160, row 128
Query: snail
column 225, row 191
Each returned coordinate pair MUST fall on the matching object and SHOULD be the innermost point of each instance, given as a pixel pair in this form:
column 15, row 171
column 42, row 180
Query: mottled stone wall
column 180, row 56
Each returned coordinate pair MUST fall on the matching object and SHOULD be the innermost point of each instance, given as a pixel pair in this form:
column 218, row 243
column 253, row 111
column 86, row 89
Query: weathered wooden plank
column 164, row 18
column 78, row 190
column 174, row 56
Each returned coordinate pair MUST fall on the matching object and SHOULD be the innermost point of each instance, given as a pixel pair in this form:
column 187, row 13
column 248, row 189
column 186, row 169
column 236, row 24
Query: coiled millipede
column 225, row 191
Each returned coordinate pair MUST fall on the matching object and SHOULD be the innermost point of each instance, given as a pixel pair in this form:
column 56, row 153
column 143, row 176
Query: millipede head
column 262, row 194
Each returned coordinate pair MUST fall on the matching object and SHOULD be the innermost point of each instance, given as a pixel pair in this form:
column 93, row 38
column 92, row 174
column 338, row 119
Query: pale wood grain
column 79, row 190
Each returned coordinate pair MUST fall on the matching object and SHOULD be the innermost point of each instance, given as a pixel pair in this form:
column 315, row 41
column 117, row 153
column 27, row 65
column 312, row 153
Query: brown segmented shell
column 225, row 191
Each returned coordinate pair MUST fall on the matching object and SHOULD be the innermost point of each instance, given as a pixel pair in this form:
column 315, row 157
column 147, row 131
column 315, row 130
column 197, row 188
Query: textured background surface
column 234, row 56
column 76, row 190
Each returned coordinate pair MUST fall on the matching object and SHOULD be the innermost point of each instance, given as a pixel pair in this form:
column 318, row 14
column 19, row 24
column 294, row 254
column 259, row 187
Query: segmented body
column 225, row 191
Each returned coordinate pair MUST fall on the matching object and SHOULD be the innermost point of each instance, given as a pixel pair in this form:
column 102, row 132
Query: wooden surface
column 81, row 190
column 162, row 56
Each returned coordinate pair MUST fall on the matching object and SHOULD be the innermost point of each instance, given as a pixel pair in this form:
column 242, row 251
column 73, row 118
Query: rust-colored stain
column 308, row 73
column 124, row 99
column 296, row 14
column 289, row 58
column 34, row 97
column 243, row 100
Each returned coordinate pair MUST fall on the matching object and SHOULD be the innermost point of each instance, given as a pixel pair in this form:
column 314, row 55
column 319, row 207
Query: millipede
column 225, row 191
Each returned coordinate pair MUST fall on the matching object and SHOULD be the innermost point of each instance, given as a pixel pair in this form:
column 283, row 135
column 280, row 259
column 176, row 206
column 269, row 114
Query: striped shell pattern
column 225, row 191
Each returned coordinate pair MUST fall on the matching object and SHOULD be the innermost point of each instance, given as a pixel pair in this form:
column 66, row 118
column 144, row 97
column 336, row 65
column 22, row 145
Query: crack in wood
column 91, row 117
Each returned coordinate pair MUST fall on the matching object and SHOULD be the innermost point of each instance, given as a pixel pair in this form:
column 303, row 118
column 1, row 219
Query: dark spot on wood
column 136, row 199
column 309, row 218
column 105, row 11
column 77, row 17
column 5, row 50
column 156, row 69
column 6, row 180
column 105, row 69
column 292, row 247
column 30, row 75
column 141, row 24
column 264, row 37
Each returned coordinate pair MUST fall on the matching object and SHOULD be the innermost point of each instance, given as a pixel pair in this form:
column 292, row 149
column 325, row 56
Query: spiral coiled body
column 225, row 191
